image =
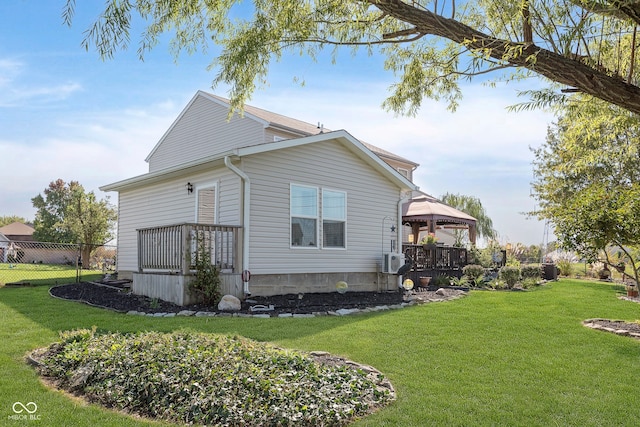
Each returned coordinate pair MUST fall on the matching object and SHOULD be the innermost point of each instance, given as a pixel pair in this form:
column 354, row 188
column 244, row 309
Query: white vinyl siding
column 201, row 131
column 169, row 203
column 371, row 198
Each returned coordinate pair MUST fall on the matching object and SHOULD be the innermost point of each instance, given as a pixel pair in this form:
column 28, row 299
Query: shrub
column 565, row 267
column 473, row 271
column 498, row 284
column 529, row 282
column 441, row 280
column 510, row 275
column 460, row 281
column 206, row 283
column 531, row 271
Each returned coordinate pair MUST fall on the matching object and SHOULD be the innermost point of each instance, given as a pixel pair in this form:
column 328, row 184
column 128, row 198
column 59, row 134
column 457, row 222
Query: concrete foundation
column 174, row 287
column 282, row 284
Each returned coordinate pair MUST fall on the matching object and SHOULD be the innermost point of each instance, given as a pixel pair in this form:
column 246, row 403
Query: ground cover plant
column 210, row 379
column 491, row 358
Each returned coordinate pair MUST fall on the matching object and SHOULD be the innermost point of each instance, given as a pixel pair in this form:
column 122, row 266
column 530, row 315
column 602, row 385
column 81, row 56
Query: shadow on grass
column 54, row 314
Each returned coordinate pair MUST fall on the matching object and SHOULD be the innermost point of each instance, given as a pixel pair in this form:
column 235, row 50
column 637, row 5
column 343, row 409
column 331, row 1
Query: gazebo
column 426, row 212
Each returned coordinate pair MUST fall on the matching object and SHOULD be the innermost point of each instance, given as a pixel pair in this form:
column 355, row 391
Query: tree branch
column 555, row 67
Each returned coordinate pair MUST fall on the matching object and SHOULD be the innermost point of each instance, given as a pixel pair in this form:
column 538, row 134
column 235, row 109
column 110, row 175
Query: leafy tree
column 587, row 181
column 585, row 46
column 472, row 206
column 50, row 218
column 6, row 220
column 67, row 214
column 91, row 220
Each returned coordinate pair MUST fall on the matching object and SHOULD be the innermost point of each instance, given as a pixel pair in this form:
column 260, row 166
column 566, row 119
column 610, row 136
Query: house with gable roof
column 281, row 205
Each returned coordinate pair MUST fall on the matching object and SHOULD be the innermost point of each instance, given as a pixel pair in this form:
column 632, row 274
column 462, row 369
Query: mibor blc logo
column 24, row 411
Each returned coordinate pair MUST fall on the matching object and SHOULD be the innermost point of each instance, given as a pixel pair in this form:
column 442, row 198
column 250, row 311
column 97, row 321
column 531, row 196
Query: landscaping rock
column 346, row 311
column 229, row 303
column 186, row 313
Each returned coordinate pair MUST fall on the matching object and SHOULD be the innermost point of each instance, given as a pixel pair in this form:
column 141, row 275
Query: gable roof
column 276, row 121
column 340, row 136
column 17, row 229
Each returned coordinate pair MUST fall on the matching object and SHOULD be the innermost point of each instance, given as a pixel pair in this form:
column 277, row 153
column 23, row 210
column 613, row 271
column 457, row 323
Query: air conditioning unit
column 392, row 262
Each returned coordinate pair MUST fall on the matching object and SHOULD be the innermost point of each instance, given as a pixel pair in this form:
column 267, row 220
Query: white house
column 298, row 207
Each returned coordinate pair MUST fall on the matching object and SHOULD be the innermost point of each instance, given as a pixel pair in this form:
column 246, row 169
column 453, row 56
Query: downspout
column 246, row 215
column 404, row 198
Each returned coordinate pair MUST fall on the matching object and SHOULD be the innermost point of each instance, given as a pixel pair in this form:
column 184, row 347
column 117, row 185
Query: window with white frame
column 404, row 172
column 304, row 216
column 334, row 218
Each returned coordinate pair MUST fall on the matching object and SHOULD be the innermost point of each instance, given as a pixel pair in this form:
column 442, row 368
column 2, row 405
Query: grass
column 492, row 358
column 43, row 274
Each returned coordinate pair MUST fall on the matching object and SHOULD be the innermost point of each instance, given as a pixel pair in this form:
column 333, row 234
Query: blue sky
column 64, row 113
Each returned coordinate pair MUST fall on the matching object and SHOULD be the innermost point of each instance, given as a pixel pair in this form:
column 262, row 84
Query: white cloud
column 9, row 69
column 92, row 148
column 14, row 91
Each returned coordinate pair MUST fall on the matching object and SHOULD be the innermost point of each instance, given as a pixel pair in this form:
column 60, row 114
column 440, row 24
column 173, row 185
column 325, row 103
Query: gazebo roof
column 425, row 208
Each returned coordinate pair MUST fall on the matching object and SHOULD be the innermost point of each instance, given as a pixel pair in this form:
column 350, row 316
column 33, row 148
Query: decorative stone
column 285, row 315
column 441, row 292
column 186, row 313
column 229, row 303
column 346, row 311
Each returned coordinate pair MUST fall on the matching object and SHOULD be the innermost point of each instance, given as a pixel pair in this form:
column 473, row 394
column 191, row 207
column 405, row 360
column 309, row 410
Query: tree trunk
column 551, row 65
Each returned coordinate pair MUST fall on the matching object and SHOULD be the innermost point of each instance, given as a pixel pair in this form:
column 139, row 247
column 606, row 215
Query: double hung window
column 304, row 216
column 306, row 219
column 334, row 218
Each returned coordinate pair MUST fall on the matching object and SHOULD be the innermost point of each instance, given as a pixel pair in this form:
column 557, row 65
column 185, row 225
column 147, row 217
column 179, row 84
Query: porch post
column 472, row 234
column 186, row 249
column 415, row 230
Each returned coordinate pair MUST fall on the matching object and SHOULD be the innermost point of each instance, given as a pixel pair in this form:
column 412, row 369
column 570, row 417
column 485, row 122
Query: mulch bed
column 118, row 297
column 618, row 327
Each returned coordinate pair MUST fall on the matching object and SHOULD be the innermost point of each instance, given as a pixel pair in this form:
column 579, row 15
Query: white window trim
column 323, row 217
column 316, row 217
column 404, row 172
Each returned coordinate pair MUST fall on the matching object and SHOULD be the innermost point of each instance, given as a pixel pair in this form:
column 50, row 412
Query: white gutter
column 246, row 215
column 404, row 197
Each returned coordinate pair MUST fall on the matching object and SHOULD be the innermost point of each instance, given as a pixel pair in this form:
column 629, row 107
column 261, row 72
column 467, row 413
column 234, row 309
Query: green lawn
column 491, row 358
column 43, row 274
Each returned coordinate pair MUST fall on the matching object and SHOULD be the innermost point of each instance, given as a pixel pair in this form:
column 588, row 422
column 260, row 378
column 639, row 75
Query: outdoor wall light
column 189, row 187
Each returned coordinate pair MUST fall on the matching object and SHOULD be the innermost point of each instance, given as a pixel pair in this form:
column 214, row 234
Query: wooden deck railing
column 434, row 257
column 172, row 248
column 433, row 261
